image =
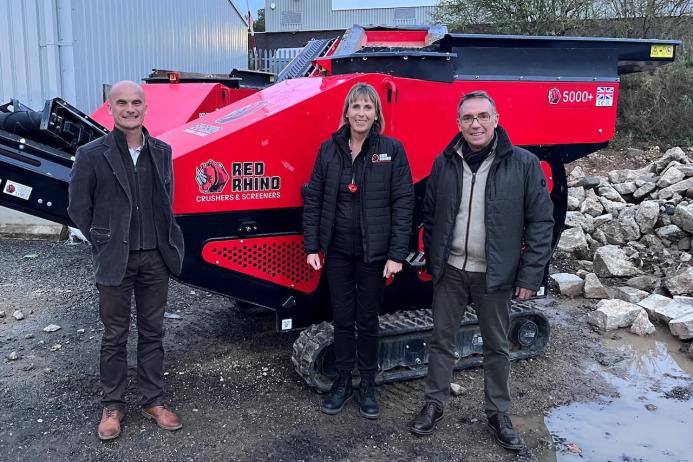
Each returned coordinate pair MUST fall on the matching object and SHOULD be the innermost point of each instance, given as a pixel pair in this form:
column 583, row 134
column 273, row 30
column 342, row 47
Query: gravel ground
column 230, row 377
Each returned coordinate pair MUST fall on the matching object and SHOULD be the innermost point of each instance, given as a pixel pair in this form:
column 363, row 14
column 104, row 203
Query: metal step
column 300, row 66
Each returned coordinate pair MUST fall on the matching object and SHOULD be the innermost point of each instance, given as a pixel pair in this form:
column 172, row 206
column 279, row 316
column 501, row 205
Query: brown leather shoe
column 109, row 427
column 163, row 416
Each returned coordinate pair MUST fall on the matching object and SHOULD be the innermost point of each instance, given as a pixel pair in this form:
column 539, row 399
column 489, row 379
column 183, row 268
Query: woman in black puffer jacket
column 358, row 212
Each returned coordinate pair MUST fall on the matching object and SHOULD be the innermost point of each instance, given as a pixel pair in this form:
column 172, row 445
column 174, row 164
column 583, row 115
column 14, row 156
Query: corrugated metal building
column 300, row 15
column 69, row 48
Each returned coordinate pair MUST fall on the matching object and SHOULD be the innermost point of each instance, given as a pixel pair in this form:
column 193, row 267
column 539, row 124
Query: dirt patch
column 230, row 377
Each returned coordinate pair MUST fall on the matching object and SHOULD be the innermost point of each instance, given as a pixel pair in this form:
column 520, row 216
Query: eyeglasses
column 482, row 118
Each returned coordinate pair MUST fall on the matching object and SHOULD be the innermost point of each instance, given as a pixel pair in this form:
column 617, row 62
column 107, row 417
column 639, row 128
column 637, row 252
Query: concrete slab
column 17, row 225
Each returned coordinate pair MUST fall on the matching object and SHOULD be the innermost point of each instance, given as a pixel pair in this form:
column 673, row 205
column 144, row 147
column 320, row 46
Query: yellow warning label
column 662, row 51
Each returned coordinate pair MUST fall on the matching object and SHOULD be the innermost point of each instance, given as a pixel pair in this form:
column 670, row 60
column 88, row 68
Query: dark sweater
column 347, row 238
column 140, row 180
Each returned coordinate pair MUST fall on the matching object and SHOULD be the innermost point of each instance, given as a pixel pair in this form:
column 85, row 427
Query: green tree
column 532, row 17
column 648, row 18
column 259, row 25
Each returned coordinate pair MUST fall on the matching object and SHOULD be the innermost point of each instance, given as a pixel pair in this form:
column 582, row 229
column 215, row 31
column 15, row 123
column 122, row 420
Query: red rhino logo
column 554, row 95
column 211, row 177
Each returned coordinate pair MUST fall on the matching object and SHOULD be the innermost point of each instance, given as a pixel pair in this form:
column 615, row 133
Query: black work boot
column 368, row 406
column 340, row 393
column 425, row 422
column 503, row 432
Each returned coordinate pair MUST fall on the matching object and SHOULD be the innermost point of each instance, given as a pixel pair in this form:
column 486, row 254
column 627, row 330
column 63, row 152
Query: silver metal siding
column 69, row 48
column 318, row 15
column 25, row 69
column 126, row 39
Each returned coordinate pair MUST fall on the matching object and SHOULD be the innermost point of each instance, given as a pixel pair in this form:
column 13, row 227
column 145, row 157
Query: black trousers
column 356, row 291
column 451, row 296
column 146, row 275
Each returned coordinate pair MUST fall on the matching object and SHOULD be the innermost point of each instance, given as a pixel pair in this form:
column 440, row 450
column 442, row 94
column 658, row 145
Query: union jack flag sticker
column 605, row 96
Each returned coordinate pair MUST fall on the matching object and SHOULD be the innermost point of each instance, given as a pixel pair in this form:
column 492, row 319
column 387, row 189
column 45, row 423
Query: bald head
column 125, row 86
column 127, row 105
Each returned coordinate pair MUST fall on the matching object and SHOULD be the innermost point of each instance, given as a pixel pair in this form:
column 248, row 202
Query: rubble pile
column 630, row 233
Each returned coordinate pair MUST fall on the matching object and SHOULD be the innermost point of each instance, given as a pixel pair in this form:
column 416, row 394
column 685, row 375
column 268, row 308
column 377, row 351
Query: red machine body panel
column 267, row 142
column 278, row 259
column 175, row 104
column 395, row 38
column 546, row 168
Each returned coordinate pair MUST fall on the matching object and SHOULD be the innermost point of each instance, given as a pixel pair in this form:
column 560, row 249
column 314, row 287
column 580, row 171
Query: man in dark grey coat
column 121, row 195
column 488, row 222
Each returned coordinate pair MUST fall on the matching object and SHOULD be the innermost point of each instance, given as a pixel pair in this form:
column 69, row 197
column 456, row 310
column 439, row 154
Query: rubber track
column 313, row 340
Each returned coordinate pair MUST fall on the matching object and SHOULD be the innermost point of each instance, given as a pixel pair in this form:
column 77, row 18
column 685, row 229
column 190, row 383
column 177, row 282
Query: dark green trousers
column 451, row 296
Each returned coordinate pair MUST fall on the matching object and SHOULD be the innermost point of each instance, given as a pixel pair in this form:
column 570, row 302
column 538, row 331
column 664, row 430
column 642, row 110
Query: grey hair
column 477, row 94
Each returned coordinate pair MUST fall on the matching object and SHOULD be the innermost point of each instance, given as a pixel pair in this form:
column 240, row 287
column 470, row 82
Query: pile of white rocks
column 634, row 227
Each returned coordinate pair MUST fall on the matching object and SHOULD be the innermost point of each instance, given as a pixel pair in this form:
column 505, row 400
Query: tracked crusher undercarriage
column 404, row 344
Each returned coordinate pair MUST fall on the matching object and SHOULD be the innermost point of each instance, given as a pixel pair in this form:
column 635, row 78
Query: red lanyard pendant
column 352, row 186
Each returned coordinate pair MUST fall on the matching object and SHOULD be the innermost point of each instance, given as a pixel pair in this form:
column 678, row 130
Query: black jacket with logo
column 386, row 193
column 518, row 210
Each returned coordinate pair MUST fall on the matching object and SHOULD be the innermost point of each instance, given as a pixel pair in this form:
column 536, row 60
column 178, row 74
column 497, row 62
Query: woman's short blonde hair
column 367, row 92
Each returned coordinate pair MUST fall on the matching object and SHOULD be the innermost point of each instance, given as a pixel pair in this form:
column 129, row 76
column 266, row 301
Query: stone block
column 569, row 285
column 601, row 219
column 630, row 294
column 573, row 203
column 682, row 327
column 646, row 216
column 611, row 261
column 644, row 190
column 683, row 300
column 642, row 325
column 611, row 206
column 683, row 217
column 670, row 232
column 679, row 187
column 674, row 154
column 608, row 192
column 623, row 229
column 613, row 314
column 645, row 282
column 622, row 176
column 576, row 173
column 593, row 287
column 670, row 177
column 575, row 219
column 654, row 301
column 664, row 309
column 573, row 243
column 680, row 284
column 592, row 206
column 628, row 187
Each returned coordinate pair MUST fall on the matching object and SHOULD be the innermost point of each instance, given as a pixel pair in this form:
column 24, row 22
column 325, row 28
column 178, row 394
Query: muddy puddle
column 647, row 417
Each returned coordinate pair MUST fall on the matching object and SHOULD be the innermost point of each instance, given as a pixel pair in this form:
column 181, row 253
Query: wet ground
column 229, row 376
column 648, row 416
